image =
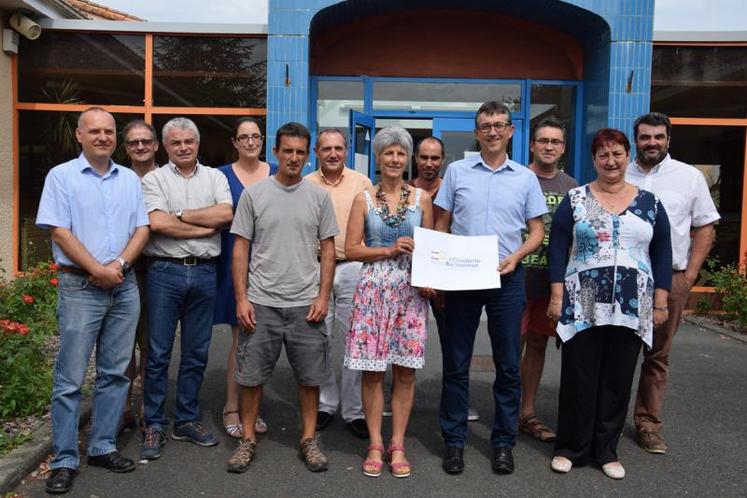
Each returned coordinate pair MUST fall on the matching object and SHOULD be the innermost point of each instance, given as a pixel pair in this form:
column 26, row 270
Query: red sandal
column 372, row 468
column 398, row 469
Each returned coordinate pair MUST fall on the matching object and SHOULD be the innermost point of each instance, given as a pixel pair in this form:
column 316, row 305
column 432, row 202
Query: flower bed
column 28, row 330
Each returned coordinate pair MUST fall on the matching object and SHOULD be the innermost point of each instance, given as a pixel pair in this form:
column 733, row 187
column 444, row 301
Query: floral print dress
column 610, row 263
column 389, row 317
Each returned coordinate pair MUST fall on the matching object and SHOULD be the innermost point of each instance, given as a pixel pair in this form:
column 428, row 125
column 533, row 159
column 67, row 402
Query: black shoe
column 323, row 419
column 359, row 428
column 113, row 461
column 454, row 460
column 503, row 460
column 61, row 481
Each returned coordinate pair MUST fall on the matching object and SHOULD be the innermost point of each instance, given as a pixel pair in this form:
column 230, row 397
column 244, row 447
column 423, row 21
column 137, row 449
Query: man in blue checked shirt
column 95, row 213
column 485, row 195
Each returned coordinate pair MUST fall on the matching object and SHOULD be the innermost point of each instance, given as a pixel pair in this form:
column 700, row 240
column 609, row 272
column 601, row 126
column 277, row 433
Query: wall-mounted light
column 25, row 25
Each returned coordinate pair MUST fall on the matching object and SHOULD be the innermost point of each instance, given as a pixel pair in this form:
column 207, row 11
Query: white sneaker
column 472, row 415
column 561, row 464
column 613, row 470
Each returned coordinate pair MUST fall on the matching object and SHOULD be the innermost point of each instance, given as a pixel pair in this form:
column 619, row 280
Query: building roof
column 700, row 36
column 93, row 10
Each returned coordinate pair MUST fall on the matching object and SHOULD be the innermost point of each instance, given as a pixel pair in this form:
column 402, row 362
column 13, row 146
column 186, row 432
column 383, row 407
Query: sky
column 669, row 15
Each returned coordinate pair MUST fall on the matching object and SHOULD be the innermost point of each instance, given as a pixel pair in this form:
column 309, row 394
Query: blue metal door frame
column 521, row 117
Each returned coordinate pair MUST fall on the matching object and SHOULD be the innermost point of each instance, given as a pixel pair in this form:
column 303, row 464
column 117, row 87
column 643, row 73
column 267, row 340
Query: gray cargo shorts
column 305, row 346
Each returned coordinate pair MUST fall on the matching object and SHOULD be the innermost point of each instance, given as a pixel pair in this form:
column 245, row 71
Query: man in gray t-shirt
column 285, row 228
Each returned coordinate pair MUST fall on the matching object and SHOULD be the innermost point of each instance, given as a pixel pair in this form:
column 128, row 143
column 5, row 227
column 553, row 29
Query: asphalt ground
column 705, row 413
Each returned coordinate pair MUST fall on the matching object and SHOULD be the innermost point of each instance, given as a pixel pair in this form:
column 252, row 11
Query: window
column 211, row 79
column 82, row 68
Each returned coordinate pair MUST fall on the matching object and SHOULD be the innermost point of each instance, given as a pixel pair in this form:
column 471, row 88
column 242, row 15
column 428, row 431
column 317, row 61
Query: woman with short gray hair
column 389, row 316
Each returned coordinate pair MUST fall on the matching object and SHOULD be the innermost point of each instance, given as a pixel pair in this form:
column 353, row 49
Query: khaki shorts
column 305, row 346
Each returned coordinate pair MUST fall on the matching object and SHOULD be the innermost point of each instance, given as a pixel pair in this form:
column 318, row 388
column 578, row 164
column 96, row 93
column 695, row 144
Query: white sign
column 454, row 262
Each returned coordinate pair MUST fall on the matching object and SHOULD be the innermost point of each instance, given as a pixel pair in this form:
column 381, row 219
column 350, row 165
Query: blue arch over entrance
column 616, row 36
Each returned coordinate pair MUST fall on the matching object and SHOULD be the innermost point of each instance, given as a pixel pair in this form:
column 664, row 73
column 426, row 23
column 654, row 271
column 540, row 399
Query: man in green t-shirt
column 547, row 145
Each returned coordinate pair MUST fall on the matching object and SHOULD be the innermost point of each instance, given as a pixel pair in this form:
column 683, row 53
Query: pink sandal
column 372, row 468
column 398, row 469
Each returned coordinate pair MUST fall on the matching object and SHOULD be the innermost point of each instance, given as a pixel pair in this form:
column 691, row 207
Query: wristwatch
column 124, row 264
column 179, row 213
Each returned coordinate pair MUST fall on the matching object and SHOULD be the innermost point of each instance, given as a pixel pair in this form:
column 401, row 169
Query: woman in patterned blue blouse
column 610, row 273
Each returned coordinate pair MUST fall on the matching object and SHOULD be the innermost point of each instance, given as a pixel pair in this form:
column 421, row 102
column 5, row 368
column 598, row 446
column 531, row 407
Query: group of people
column 295, row 261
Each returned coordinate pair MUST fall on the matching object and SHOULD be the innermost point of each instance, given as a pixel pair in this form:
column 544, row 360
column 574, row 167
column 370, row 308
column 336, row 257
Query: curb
column 24, row 459
column 706, row 325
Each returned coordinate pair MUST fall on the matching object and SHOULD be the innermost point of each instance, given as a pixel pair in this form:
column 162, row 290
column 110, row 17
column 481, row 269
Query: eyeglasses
column 555, row 142
column 242, row 139
column 145, row 142
column 499, row 127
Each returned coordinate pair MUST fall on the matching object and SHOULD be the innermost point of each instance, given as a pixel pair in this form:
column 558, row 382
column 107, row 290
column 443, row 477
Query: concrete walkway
column 705, row 417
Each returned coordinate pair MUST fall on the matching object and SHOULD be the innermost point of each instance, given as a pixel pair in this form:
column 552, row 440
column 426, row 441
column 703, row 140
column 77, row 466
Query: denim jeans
column 185, row 294
column 88, row 315
column 504, row 308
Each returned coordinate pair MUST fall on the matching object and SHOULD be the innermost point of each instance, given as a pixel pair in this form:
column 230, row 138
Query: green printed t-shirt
column 537, row 274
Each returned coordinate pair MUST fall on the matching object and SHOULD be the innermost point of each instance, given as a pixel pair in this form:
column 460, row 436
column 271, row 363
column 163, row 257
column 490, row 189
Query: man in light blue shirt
column 95, row 212
column 485, row 195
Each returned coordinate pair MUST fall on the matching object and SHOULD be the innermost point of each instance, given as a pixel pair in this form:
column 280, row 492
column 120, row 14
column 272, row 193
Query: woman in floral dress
column 389, row 316
column 610, row 273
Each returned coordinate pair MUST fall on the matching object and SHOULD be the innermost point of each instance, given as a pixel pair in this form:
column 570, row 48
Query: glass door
column 362, row 130
column 458, row 136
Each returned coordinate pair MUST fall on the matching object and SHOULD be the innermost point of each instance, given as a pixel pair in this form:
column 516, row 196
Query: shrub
column 27, row 320
column 731, row 284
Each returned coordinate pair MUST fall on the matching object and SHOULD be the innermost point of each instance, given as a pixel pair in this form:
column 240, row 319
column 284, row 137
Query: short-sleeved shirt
column 483, row 201
column 537, row 277
column 102, row 212
column 284, row 225
column 343, row 194
column 167, row 189
column 684, row 193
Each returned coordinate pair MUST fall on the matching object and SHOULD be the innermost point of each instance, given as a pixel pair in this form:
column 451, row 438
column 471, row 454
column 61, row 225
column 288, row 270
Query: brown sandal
column 534, row 427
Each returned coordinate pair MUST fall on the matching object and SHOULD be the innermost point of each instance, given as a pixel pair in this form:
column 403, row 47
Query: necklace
column 389, row 218
column 609, row 200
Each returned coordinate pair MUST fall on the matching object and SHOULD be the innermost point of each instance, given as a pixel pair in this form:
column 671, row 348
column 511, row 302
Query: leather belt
column 188, row 261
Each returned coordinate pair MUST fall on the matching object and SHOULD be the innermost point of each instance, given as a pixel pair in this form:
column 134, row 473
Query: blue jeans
column 88, row 315
column 504, row 308
column 185, row 294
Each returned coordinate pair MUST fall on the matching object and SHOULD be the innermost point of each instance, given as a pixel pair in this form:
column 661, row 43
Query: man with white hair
column 188, row 203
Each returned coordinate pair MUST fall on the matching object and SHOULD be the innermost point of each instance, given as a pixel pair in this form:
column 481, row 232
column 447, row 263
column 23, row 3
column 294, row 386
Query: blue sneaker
column 194, row 432
column 153, row 441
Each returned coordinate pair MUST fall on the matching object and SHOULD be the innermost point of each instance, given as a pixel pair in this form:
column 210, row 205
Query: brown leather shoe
column 312, row 455
column 652, row 442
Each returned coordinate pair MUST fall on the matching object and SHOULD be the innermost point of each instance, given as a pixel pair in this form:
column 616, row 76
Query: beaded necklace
column 393, row 219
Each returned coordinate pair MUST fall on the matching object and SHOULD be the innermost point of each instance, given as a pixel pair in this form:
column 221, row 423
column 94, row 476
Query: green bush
column 731, row 284
column 27, row 320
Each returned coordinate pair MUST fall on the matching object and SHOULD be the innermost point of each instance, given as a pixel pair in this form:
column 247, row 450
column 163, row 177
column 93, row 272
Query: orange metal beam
column 136, row 109
column 221, row 111
column 16, row 202
column 127, row 109
column 743, row 228
column 710, row 121
column 148, row 97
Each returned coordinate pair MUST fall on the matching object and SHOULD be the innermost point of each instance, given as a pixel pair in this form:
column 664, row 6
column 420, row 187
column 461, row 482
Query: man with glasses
column 188, row 203
column 343, row 184
column 94, row 211
column 685, row 195
column 488, row 194
column 141, row 146
column 547, row 145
